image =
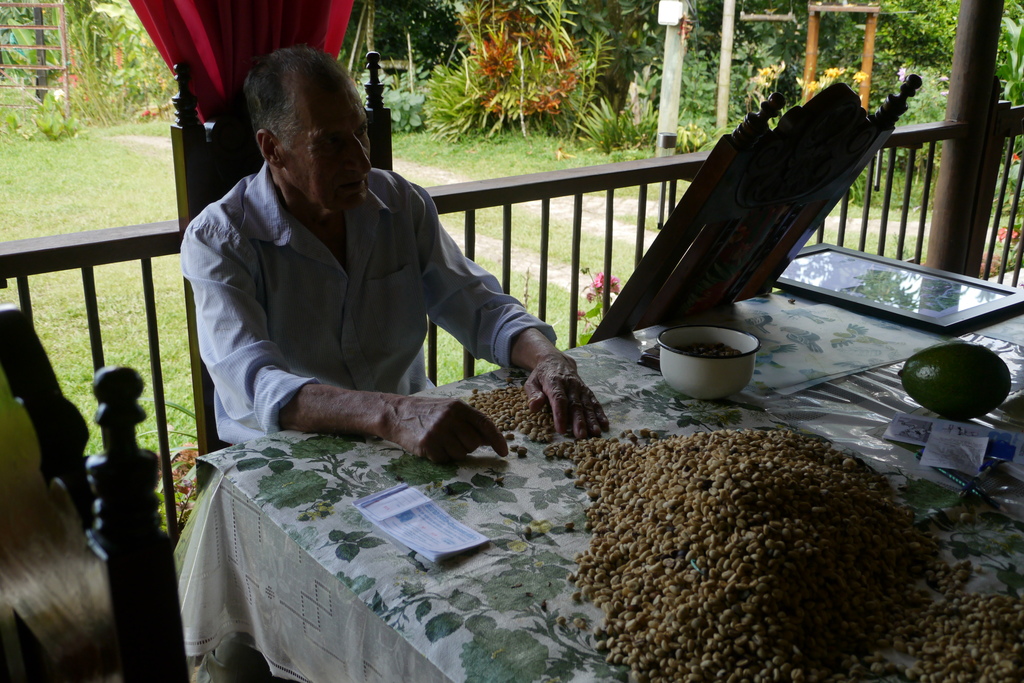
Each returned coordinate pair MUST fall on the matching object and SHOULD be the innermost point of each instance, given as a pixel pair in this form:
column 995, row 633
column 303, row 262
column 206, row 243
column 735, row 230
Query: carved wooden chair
column 208, row 160
column 753, row 205
column 93, row 604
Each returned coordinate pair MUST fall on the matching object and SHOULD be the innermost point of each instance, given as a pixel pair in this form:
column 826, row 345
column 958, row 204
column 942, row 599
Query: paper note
column 414, row 520
column 962, row 446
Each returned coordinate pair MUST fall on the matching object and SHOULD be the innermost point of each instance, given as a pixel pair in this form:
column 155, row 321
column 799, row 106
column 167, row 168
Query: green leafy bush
column 612, row 130
column 1011, row 71
column 116, row 71
column 50, row 119
column 406, row 110
column 453, row 107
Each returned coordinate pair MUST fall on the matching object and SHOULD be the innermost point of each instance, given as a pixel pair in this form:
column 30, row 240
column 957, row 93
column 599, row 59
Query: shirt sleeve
column 462, row 297
column 252, row 379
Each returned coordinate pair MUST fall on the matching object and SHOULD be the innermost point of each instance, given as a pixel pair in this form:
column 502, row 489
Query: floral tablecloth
column 276, row 550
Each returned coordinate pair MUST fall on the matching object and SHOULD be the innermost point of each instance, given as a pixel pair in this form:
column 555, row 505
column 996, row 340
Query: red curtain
column 219, row 38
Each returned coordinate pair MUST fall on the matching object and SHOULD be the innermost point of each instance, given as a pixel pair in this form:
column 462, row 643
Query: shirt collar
column 273, row 223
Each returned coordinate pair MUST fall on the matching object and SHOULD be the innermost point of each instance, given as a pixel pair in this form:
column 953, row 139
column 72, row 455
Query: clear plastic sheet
column 854, row 411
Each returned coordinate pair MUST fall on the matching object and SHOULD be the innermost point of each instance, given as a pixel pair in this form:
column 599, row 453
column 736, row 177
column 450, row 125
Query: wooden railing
column 912, row 152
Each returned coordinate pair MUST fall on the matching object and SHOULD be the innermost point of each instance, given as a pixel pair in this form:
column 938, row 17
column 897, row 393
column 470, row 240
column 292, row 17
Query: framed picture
column 894, row 290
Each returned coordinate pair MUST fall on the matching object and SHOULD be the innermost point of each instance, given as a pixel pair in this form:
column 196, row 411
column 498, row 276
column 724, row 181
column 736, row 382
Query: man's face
column 326, row 162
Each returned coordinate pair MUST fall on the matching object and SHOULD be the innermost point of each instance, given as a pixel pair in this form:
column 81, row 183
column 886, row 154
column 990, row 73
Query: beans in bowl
column 710, row 350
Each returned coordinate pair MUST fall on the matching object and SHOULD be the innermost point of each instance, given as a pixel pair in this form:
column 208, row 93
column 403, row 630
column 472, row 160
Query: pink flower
column 580, row 314
column 1002, row 234
column 901, row 75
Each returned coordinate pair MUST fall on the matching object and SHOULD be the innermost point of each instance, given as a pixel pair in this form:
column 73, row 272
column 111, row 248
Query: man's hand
column 441, row 429
column 554, row 381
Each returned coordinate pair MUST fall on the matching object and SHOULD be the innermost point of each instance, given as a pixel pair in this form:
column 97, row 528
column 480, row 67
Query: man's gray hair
column 268, row 86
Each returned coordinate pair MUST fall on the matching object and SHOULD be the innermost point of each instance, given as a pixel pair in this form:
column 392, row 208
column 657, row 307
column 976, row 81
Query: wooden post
column 867, row 60
column 961, row 211
column 811, row 55
column 725, row 63
column 671, row 83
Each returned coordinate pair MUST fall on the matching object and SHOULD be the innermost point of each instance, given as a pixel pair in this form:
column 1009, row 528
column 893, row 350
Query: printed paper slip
column 414, row 520
column 962, row 446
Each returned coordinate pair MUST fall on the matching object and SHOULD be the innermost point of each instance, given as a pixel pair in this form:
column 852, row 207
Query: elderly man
column 313, row 282
column 314, row 279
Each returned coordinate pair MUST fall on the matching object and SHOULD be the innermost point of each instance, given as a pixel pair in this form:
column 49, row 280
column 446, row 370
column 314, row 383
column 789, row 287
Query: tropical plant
column 523, row 70
column 763, row 84
column 929, row 104
column 427, row 28
column 116, row 71
column 453, row 106
column 625, row 32
column 50, row 118
column 1011, row 70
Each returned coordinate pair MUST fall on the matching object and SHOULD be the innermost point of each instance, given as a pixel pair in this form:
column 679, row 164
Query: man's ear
column 269, row 146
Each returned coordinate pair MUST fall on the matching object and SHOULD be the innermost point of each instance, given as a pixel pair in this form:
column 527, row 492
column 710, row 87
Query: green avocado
column 958, row 380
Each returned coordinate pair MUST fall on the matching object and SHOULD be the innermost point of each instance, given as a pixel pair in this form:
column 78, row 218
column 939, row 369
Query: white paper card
column 414, row 520
column 954, row 451
column 919, row 430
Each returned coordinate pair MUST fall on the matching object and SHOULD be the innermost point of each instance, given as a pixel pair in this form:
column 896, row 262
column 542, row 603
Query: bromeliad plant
column 522, row 70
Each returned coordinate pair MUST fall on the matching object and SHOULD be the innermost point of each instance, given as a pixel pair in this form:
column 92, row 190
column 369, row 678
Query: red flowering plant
column 1007, row 243
column 523, row 70
column 594, row 293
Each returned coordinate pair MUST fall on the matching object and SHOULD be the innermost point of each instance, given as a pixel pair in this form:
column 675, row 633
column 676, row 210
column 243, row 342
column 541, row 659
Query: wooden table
column 275, row 548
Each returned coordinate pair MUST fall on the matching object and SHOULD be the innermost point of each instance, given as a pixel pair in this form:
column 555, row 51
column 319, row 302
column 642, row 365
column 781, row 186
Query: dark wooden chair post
column 378, row 116
column 126, row 535
column 79, row 605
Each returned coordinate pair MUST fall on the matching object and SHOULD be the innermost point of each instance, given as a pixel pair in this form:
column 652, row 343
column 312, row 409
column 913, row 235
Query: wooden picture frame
column 894, row 290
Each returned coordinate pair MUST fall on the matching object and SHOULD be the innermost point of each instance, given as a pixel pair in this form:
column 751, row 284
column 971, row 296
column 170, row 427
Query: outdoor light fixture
column 670, row 12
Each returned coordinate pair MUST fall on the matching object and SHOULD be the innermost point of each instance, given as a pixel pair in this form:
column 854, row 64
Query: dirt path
column 527, row 261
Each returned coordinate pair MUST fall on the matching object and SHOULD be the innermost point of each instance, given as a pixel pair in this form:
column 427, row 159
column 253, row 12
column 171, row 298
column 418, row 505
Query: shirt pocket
column 395, row 311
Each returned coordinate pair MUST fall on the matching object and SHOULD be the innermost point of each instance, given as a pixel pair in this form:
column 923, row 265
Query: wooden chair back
column 99, row 604
column 209, row 159
column 754, row 203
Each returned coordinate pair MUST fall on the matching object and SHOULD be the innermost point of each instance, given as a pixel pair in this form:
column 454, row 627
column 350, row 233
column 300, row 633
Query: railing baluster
column 641, row 225
column 24, row 296
column 890, row 173
column 1009, row 227
column 159, row 405
column 997, row 214
column 574, row 277
column 432, row 353
column 468, row 362
column 506, row 248
column 93, row 317
column 926, row 191
column 867, row 206
column 661, row 204
column 844, row 209
column 545, row 240
column 905, row 210
column 609, row 242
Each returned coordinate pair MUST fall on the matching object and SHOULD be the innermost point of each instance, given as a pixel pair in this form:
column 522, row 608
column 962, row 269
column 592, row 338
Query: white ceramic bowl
column 707, row 377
